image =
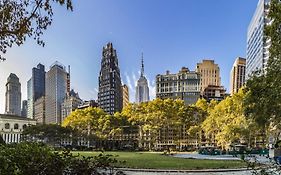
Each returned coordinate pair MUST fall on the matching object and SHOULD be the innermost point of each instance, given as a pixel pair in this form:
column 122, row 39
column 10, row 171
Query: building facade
column 237, row 75
column 125, row 95
column 39, row 110
column 70, row 103
column 110, row 87
column 212, row 92
column 56, row 88
column 24, row 108
column 35, row 88
column 142, row 89
column 87, row 104
column 11, row 127
column 209, row 74
column 257, row 46
column 183, row 85
column 13, row 95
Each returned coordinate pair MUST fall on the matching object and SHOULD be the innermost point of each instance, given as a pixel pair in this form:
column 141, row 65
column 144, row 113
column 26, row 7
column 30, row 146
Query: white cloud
column 94, row 93
column 152, row 89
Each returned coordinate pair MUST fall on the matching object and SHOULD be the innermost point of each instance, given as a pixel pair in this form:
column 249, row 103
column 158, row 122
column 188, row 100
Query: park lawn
column 148, row 160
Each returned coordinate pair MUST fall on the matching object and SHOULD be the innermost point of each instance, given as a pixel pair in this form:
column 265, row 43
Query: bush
column 34, row 158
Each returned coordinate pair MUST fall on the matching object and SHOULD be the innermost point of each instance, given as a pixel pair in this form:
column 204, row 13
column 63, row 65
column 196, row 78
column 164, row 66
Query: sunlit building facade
column 257, row 46
column 183, row 85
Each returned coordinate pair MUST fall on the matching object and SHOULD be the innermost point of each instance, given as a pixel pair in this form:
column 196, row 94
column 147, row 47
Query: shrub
column 35, row 158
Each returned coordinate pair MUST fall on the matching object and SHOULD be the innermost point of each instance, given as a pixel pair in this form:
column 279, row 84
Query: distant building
column 86, row 104
column 209, row 73
column 110, row 87
column 13, row 95
column 56, row 88
column 142, row 89
column 24, row 108
column 70, row 103
column 214, row 93
column 39, row 110
column 237, row 75
column 11, row 127
column 257, row 46
column 35, row 88
column 183, row 85
column 125, row 94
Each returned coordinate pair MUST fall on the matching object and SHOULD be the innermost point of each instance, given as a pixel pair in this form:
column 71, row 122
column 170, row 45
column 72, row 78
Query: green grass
column 150, row 160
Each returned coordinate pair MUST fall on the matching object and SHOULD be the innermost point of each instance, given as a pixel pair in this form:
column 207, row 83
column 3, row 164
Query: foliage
column 159, row 114
column 34, row 158
column 51, row 134
column 226, row 122
column 94, row 121
column 25, row 18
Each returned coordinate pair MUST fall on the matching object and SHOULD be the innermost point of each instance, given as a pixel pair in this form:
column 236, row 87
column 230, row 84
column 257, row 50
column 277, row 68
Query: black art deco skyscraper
column 110, row 87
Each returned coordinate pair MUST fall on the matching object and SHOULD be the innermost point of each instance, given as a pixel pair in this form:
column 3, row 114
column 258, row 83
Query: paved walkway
column 188, row 173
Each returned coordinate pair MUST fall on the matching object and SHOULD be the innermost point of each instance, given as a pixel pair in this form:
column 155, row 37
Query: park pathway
column 194, row 173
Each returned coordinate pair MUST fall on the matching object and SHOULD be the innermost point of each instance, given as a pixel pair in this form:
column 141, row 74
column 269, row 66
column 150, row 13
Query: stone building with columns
column 11, row 127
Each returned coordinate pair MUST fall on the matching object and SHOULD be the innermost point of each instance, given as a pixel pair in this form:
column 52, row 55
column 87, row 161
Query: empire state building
column 142, row 90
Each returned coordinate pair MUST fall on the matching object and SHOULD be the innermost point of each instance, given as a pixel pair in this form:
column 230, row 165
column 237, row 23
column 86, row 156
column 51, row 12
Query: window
column 24, row 126
column 16, row 126
column 7, row 126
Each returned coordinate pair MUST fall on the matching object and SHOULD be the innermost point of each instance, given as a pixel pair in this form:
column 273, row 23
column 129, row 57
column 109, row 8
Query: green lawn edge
column 155, row 160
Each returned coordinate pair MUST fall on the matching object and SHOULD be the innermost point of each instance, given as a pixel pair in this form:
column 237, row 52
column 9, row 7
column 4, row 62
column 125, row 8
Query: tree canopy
column 21, row 19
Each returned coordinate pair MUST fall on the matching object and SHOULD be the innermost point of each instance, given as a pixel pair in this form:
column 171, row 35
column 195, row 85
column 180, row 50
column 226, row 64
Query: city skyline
column 180, row 46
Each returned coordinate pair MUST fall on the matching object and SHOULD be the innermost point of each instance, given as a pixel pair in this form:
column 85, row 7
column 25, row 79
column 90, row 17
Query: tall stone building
column 70, row 103
column 35, row 88
column 257, row 46
column 237, row 75
column 125, row 95
column 56, row 88
column 209, row 74
column 24, row 108
column 142, row 89
column 13, row 95
column 183, row 85
column 39, row 110
column 110, row 87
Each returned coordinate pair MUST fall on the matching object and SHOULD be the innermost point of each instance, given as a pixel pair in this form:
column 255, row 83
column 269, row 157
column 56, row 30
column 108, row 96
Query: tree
column 50, row 134
column 21, row 19
column 226, row 123
column 160, row 117
column 97, row 125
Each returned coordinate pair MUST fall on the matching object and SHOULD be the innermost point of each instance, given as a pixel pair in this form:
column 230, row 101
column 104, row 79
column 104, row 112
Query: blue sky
column 170, row 33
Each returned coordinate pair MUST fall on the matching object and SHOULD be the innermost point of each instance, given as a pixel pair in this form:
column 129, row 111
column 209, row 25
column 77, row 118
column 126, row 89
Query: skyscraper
column 56, row 88
column 125, row 95
column 142, row 90
column 183, row 85
column 257, row 47
column 110, row 87
column 237, row 75
column 13, row 95
column 35, row 88
column 209, row 74
column 24, row 108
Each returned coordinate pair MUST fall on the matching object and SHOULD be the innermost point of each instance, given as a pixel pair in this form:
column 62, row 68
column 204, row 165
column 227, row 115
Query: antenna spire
column 142, row 65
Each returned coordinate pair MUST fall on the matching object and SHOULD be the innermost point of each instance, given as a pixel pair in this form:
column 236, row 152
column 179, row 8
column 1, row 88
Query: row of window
column 16, row 126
